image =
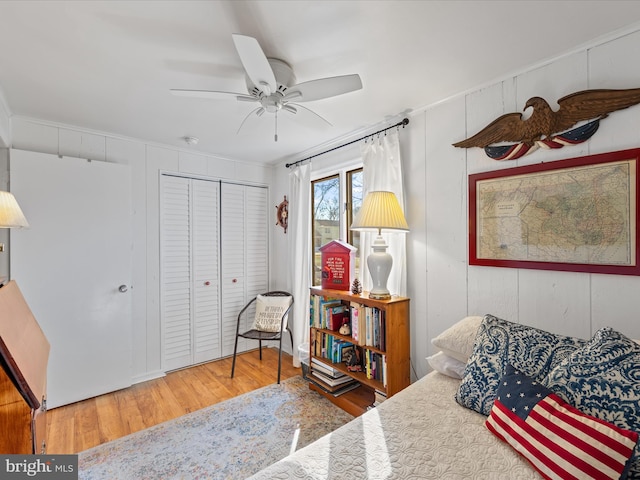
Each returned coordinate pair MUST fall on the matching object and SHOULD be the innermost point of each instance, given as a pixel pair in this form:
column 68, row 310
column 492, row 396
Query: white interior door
column 73, row 266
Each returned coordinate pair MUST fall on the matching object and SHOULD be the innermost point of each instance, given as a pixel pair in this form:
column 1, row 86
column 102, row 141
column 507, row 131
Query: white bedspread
column 420, row 433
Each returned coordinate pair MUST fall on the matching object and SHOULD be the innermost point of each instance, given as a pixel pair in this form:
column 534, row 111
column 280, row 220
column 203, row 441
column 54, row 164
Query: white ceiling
column 109, row 65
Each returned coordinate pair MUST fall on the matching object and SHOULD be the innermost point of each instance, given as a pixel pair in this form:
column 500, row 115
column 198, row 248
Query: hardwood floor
column 76, row 427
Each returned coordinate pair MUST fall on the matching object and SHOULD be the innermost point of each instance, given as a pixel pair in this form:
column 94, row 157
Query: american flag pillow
column 557, row 439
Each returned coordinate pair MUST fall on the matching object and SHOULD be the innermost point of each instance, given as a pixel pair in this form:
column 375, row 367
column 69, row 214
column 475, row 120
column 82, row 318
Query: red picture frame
column 578, row 215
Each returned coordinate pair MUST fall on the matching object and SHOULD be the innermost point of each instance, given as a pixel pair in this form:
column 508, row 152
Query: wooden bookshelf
column 395, row 347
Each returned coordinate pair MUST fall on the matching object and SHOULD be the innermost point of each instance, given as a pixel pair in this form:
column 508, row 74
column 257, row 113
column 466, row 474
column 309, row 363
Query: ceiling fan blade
column 290, row 108
column 255, row 63
column 324, row 88
column 212, row 94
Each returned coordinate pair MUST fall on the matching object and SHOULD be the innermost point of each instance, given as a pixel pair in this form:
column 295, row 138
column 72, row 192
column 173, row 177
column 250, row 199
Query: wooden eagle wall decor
column 546, row 128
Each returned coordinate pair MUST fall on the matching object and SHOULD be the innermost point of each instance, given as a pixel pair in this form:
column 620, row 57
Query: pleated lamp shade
column 380, row 211
column 10, row 214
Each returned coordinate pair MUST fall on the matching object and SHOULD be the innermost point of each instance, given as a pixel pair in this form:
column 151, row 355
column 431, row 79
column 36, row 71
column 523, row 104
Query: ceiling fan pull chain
column 275, row 137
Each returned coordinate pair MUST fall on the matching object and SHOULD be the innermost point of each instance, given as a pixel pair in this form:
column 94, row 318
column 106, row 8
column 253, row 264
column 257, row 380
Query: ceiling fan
column 272, row 83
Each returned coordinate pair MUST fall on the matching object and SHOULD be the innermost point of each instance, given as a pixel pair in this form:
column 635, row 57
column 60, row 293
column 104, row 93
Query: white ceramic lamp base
column 379, row 263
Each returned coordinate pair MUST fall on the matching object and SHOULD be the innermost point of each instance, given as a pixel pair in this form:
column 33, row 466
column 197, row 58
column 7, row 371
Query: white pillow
column 443, row 363
column 457, row 340
column 269, row 312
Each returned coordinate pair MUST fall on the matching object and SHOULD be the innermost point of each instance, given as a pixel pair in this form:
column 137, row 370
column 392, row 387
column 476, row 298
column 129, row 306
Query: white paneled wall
column 446, row 214
column 563, row 302
column 146, row 161
column 5, row 128
column 415, row 172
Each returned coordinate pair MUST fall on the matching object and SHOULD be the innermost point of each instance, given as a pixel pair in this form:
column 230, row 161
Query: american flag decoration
column 557, row 439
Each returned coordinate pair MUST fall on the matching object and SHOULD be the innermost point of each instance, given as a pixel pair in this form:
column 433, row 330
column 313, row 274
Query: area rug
column 229, row 440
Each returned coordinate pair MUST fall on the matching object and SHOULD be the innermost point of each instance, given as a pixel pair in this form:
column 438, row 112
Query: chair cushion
column 269, row 311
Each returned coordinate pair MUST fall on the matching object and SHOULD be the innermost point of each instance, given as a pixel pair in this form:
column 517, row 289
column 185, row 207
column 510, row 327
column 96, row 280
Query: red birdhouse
column 338, row 265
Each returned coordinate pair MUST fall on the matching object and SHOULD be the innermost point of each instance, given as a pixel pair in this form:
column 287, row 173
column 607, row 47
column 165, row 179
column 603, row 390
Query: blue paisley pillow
column 532, row 351
column 602, row 379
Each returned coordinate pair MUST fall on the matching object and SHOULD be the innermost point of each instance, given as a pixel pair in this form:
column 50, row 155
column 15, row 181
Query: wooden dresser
column 24, row 353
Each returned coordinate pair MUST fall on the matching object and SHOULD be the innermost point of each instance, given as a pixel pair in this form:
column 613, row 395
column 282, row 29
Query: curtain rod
column 405, row 121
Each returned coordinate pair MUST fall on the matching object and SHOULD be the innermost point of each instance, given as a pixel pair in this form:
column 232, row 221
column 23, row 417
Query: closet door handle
column 235, row 280
column 207, row 283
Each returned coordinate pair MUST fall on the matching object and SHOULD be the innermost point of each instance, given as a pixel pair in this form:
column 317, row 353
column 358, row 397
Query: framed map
column 576, row 215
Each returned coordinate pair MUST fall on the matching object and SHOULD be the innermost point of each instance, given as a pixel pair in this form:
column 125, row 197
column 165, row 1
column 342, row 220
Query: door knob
column 122, row 288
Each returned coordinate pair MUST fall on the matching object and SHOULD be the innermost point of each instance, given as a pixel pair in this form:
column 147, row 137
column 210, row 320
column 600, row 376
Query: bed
column 419, row 433
column 438, row 428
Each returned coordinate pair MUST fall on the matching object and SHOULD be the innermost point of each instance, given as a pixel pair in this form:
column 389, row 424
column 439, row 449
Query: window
column 336, row 199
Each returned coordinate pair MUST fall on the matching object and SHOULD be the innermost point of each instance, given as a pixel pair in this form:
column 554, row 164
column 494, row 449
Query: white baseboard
column 148, row 376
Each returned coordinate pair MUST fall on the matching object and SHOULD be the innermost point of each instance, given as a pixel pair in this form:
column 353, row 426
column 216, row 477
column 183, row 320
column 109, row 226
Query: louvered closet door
column 189, row 249
column 244, row 263
column 175, row 251
column 205, row 242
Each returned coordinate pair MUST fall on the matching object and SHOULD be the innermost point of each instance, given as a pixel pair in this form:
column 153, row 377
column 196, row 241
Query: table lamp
column 10, row 214
column 380, row 211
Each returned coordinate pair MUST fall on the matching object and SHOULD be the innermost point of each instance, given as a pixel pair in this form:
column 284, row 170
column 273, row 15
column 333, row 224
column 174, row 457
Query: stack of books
column 330, row 379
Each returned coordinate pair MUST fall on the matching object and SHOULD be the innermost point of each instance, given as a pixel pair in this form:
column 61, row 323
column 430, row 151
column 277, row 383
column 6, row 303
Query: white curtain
column 300, row 241
column 382, row 170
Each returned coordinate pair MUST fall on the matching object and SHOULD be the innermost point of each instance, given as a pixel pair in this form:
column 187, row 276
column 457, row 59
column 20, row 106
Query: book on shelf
column 318, row 310
column 333, row 389
column 334, row 382
column 326, row 369
column 330, row 346
column 368, row 322
column 353, row 306
column 371, row 329
column 375, row 366
column 345, row 389
column 379, row 397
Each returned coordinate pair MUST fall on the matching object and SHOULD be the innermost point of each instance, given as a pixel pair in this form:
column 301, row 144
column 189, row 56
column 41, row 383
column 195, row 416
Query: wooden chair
column 270, row 323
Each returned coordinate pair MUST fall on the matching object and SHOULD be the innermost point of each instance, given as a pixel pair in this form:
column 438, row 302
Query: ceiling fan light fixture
column 246, row 98
column 292, row 95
